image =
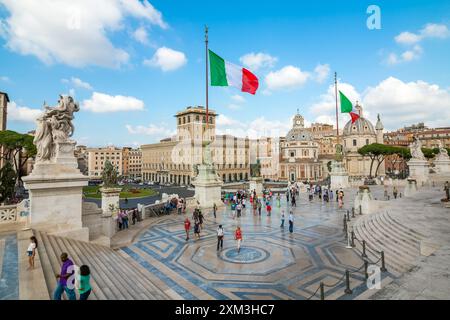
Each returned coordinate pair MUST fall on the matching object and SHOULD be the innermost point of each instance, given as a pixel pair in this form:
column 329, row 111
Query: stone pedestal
column 419, row 170
column 56, row 199
column 256, row 183
column 64, row 154
column 442, row 166
column 110, row 201
column 363, row 200
column 208, row 186
column 411, row 187
column 338, row 175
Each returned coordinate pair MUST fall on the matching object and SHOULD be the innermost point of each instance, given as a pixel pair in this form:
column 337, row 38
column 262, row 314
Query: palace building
column 174, row 159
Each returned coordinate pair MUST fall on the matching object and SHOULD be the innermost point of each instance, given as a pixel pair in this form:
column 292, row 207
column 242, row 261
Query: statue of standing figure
column 416, row 149
column 443, row 153
column 54, row 126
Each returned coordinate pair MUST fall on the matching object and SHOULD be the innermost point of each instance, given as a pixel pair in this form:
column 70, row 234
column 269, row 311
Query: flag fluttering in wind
column 224, row 73
column 347, row 107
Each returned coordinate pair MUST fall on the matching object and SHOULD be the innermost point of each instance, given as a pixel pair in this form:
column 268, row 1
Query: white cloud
column 255, row 61
column 77, row 82
column 167, row 59
column 321, row 72
column 406, row 56
column 289, row 77
column 407, row 38
column 101, row 103
column 233, row 106
column 23, row 114
column 399, row 103
column 403, row 103
column 238, row 98
column 433, row 30
column 259, row 127
column 72, row 32
column 5, row 79
column 140, row 35
column 157, row 131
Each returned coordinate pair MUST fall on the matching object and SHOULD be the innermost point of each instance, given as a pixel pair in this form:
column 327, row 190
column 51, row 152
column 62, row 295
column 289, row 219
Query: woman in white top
column 31, row 251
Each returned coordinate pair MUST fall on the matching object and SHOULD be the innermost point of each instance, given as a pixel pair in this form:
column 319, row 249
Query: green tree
column 17, row 149
column 7, row 182
column 379, row 152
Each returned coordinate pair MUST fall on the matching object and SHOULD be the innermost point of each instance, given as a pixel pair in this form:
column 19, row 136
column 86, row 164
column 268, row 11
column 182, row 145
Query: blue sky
column 96, row 51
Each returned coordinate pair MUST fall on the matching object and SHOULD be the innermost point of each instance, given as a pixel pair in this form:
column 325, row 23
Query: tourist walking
column 187, row 227
column 179, row 207
column 287, row 196
column 238, row 238
column 200, row 219
column 134, row 216
column 84, row 285
column 220, row 234
column 31, row 251
column 291, row 222
column 259, row 207
column 341, row 199
column 395, row 192
column 282, row 218
column 197, row 230
column 215, row 210
column 447, row 190
column 278, row 200
column 67, row 270
column 331, row 194
column 239, row 210
column 293, row 202
column 269, row 209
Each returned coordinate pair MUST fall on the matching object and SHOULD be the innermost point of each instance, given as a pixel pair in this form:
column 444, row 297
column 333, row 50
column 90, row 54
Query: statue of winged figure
column 54, row 126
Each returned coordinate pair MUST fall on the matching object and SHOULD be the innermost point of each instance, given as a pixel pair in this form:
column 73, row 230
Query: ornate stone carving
column 54, row 127
column 416, row 149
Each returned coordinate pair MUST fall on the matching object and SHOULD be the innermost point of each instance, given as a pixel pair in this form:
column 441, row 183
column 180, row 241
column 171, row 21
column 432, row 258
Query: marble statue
column 109, row 175
column 443, row 153
column 255, row 169
column 54, row 126
column 339, row 152
column 416, row 149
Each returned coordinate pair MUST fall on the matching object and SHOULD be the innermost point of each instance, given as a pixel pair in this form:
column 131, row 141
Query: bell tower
column 298, row 121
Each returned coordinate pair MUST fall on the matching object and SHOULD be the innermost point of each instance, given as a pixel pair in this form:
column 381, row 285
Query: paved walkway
column 272, row 264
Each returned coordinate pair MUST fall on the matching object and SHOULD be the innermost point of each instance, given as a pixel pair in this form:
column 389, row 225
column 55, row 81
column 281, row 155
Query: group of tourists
column 198, row 219
column 221, row 234
column 70, row 277
column 124, row 216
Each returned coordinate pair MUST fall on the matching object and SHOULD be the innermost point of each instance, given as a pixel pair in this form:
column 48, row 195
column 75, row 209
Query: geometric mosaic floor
column 272, row 263
column 9, row 267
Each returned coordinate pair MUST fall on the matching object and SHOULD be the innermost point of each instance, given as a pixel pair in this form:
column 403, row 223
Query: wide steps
column 384, row 233
column 112, row 276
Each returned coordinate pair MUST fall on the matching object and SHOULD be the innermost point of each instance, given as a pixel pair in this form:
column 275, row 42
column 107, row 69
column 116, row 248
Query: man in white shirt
column 220, row 237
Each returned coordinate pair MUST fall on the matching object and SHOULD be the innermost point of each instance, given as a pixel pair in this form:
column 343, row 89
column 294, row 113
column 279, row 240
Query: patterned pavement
column 272, row 263
column 9, row 267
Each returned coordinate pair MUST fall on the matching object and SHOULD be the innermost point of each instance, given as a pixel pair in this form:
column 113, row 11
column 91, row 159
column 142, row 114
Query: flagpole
column 206, row 59
column 337, row 113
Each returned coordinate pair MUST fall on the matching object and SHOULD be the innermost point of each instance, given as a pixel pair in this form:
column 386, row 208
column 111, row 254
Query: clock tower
column 299, row 121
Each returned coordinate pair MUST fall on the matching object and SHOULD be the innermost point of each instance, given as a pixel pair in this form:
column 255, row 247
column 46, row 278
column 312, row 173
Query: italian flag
column 224, row 73
column 347, row 107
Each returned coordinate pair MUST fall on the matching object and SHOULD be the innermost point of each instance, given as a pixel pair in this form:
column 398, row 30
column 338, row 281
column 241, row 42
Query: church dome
column 359, row 127
column 298, row 134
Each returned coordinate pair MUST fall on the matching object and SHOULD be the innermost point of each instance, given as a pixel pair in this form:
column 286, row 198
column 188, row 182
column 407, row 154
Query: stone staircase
column 383, row 232
column 113, row 276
